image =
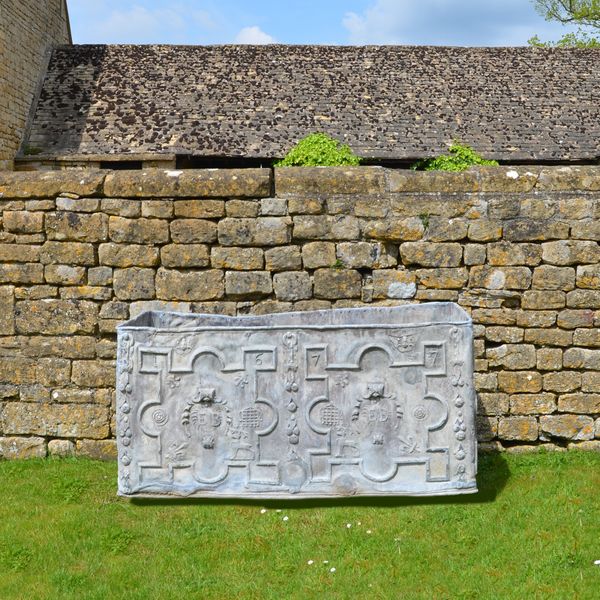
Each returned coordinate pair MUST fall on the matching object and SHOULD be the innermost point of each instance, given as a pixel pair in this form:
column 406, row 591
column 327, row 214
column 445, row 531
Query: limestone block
column 326, row 227
column 128, row 255
column 492, row 404
column 190, row 183
column 543, row 300
column 192, row 285
column 440, row 229
column 485, row 230
column 514, row 357
column 549, row 337
column 590, row 382
column 19, row 253
column 17, row 370
column 514, row 382
column 588, row 276
column 138, row 231
column 292, row 286
column 500, row 278
column 184, row 256
column 285, row 258
column 562, row 381
column 429, row 254
column 53, row 371
column 536, row 318
column 12, row 448
column 487, row 428
column 475, row 254
column 360, row 255
column 77, row 227
column 507, row 254
column 61, row 448
column 485, row 382
column 93, row 373
column 7, row 305
column 137, row 308
column 23, row 221
column 581, row 358
column 134, row 284
column 56, row 420
column 86, row 205
column 50, row 184
column 586, row 230
column 394, row 230
column 583, row 299
column 100, row 276
column 332, row 284
column 275, row 207
column 525, row 230
column 200, row 208
column 587, row 337
column 269, row 307
column 306, row 205
column 115, row 310
column 504, row 335
column 21, row 273
column 586, row 404
column 242, row 208
column 571, row 427
column 318, row 254
column 549, row 359
column 67, row 253
column 392, row 283
column 70, row 346
column 443, row 278
column 333, row 180
column 248, row 284
column 121, row 207
column 532, row 404
column 570, row 252
column 548, row 277
column 523, row 429
column 56, row 317
column 97, row 449
column 263, row 231
column 193, row 231
column 237, row 259
column 64, row 274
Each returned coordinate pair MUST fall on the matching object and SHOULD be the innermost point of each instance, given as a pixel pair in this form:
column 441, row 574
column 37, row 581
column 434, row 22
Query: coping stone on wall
column 202, row 183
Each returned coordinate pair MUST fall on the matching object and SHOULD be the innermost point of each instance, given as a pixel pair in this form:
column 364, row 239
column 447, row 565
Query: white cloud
column 253, row 35
column 139, row 25
column 447, row 22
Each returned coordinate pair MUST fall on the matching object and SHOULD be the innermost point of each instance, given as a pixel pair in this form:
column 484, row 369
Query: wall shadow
column 493, row 474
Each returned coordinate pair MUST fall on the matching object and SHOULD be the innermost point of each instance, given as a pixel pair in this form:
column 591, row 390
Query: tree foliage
column 319, row 150
column 581, row 12
column 584, row 13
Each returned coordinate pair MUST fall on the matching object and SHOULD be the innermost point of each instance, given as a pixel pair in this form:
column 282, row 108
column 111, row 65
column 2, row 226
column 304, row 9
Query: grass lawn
column 533, row 531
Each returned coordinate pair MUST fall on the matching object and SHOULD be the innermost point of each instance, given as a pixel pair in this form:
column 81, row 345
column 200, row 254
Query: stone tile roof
column 386, row 102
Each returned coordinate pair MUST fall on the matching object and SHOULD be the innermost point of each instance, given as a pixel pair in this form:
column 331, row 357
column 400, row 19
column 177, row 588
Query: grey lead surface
column 375, row 401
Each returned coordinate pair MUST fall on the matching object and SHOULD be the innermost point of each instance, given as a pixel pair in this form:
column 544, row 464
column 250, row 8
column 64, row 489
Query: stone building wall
column 28, row 29
column 81, row 251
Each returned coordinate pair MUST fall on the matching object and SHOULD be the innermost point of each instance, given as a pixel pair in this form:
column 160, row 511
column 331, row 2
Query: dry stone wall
column 82, row 251
column 28, row 29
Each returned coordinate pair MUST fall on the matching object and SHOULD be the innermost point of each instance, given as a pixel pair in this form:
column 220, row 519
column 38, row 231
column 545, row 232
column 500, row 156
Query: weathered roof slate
column 386, row 102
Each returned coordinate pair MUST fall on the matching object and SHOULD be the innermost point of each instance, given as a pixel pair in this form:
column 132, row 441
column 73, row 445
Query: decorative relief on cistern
column 376, row 401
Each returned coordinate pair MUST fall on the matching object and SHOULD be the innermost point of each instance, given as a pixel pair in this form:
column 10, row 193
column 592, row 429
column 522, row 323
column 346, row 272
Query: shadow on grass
column 493, row 474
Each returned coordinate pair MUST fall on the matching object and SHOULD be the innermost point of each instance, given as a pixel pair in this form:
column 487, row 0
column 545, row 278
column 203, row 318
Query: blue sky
column 434, row 22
